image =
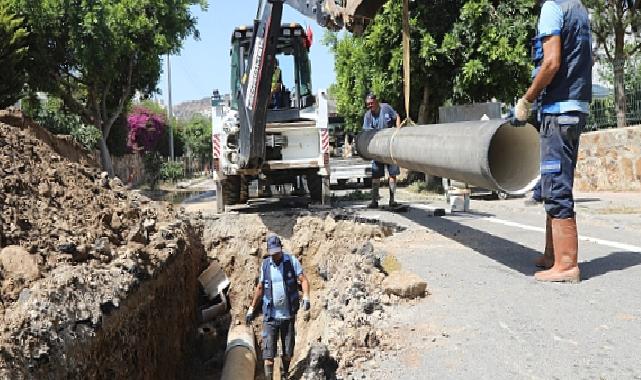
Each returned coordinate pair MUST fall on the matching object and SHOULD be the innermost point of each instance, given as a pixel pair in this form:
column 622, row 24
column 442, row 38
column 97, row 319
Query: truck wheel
column 367, row 182
column 315, row 187
column 231, row 190
column 342, row 182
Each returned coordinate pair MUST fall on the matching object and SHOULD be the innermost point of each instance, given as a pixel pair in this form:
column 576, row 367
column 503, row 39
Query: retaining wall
column 609, row 160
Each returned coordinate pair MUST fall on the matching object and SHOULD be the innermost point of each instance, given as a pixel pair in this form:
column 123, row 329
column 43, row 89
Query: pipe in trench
column 490, row 154
column 240, row 355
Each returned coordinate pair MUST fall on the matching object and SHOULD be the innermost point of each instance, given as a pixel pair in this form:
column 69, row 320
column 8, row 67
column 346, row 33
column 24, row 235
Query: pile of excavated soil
column 340, row 331
column 76, row 246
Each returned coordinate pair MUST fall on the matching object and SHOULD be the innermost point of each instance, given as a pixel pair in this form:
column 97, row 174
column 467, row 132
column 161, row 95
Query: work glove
column 249, row 317
column 305, row 305
column 522, row 110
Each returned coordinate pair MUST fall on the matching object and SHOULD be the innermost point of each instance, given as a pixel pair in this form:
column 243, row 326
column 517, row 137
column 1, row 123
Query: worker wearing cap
column 280, row 275
column 381, row 116
column 563, row 81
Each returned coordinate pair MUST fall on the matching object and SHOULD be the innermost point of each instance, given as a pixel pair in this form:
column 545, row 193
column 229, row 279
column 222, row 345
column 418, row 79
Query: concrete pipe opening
column 511, row 145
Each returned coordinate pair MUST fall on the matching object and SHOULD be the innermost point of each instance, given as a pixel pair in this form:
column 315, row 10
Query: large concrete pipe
column 240, row 355
column 490, row 154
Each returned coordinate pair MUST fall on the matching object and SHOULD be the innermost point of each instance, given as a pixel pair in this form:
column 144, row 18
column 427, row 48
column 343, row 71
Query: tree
column 13, row 55
column 95, row 54
column 373, row 62
column 460, row 51
column 489, row 46
column 197, row 135
column 613, row 21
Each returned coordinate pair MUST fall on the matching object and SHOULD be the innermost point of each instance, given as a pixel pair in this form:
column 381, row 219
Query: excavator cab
column 292, row 78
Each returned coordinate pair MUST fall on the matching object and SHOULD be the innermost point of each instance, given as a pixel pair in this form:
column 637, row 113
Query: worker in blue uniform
column 277, row 288
column 563, row 86
column 381, row 116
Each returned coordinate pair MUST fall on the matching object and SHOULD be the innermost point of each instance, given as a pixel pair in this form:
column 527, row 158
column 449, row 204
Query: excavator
column 283, row 144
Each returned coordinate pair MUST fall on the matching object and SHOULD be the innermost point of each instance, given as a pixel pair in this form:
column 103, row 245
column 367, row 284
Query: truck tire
column 243, row 196
column 231, row 190
column 314, row 187
column 367, row 182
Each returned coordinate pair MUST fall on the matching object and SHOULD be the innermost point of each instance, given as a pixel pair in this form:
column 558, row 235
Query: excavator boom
column 354, row 15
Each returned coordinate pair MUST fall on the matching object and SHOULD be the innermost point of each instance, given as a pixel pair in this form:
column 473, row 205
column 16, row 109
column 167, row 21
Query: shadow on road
column 512, row 254
column 615, row 261
column 503, row 251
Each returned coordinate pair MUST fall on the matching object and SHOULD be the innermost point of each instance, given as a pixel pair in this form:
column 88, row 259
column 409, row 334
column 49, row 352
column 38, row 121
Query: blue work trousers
column 559, row 149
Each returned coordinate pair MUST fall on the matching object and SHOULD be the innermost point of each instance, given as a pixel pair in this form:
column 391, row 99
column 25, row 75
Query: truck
column 277, row 137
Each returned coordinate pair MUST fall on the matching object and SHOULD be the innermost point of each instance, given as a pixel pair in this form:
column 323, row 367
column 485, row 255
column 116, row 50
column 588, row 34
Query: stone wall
column 129, row 168
column 609, row 160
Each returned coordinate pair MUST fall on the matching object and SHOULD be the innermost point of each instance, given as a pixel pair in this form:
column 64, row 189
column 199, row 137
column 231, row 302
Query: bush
column 172, row 171
column 51, row 115
column 152, row 162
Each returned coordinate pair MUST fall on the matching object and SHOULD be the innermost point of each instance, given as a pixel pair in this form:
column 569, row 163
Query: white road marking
column 607, row 243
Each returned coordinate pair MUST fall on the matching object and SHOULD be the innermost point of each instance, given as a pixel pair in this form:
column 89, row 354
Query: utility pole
column 170, row 110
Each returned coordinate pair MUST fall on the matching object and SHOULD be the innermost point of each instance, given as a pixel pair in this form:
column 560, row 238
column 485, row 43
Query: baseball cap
column 274, row 245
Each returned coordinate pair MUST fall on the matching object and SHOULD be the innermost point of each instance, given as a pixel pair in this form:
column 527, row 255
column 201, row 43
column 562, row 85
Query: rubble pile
column 76, row 247
column 344, row 269
column 64, row 212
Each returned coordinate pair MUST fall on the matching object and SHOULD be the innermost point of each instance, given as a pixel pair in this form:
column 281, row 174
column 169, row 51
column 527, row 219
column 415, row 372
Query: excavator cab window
column 293, row 61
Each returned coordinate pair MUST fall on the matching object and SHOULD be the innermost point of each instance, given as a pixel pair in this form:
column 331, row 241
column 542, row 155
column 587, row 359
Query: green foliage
column 51, row 115
column 461, row 51
column 152, row 161
column 489, row 46
column 615, row 26
column 95, row 54
column 611, row 22
column 172, row 170
column 197, row 136
column 13, row 55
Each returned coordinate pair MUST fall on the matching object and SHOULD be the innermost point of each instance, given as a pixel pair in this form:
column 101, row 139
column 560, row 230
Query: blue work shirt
column 281, row 304
column 550, row 24
column 386, row 118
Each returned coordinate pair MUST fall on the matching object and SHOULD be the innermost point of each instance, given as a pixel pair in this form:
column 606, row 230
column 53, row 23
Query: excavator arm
column 353, row 15
column 255, row 89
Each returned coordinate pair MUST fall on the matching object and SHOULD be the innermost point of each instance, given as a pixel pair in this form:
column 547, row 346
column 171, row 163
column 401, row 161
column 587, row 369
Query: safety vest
column 277, row 79
column 573, row 80
column 291, row 287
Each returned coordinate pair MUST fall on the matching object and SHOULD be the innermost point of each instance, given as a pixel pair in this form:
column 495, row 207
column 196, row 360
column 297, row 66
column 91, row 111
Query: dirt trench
column 343, row 268
column 98, row 281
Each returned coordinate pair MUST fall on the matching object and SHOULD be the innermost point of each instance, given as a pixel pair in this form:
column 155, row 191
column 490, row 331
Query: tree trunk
column 424, row 109
column 105, row 157
column 619, row 92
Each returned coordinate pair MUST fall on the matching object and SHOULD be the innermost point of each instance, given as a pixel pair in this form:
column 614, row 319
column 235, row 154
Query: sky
column 203, row 65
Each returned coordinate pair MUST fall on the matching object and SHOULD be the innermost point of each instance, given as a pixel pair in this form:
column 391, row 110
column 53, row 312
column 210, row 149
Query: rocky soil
column 75, row 247
column 345, row 271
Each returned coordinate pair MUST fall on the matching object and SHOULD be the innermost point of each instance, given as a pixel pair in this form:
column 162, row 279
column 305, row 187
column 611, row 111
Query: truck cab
column 296, row 140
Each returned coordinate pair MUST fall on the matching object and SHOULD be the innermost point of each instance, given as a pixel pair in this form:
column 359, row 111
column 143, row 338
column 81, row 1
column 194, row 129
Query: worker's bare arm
column 549, row 67
column 258, row 293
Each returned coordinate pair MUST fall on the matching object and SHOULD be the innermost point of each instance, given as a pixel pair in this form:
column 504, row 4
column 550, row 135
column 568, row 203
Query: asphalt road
column 486, row 316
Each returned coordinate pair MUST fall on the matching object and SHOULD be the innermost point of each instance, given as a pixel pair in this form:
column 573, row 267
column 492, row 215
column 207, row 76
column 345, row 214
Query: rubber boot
column 285, row 369
column 376, row 184
column 547, row 260
column 392, row 191
column 566, row 247
column 269, row 371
